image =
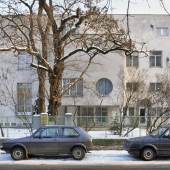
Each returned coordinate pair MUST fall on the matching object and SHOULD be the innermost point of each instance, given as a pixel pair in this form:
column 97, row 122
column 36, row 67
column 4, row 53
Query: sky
column 139, row 6
column 136, row 6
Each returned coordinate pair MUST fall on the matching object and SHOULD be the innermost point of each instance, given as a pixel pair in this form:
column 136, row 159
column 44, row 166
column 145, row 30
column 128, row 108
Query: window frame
column 43, row 129
column 100, row 118
column 130, row 61
column 156, row 88
column 153, row 59
column 163, row 31
column 26, row 99
column 127, row 113
column 75, row 88
column 134, row 86
column 70, row 136
column 106, row 83
column 24, row 61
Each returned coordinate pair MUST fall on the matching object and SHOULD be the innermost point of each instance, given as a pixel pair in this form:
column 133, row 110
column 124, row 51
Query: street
column 96, row 160
column 85, row 167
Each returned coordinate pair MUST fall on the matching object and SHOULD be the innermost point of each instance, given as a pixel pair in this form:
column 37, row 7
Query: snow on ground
column 102, row 157
column 109, row 135
column 15, row 132
column 20, row 132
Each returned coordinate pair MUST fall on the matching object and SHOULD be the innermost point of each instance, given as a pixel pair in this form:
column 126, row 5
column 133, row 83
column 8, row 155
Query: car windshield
column 158, row 132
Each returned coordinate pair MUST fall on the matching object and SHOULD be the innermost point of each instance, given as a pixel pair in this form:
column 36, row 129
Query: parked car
column 51, row 141
column 151, row 146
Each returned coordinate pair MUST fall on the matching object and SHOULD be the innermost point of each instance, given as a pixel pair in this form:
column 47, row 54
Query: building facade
column 100, row 93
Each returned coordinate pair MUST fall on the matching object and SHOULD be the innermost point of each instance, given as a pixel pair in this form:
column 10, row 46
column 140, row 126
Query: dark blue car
column 51, row 141
column 151, row 146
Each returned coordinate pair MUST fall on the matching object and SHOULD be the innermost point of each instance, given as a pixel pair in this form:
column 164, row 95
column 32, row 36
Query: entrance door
column 142, row 113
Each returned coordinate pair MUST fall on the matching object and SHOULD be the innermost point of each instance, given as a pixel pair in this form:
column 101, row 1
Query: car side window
column 37, row 134
column 70, row 132
column 50, row 133
column 166, row 134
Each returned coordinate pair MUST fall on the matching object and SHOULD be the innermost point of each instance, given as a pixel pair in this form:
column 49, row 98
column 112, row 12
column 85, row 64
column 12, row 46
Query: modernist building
column 98, row 93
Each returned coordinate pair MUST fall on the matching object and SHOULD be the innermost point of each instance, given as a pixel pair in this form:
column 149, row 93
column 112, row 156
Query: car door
column 45, row 142
column 164, row 143
column 69, row 139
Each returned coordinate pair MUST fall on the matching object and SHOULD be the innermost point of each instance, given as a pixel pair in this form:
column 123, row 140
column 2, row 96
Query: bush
column 108, row 142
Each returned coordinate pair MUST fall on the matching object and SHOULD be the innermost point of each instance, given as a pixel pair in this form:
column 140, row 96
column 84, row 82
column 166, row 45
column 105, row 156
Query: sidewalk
column 102, row 157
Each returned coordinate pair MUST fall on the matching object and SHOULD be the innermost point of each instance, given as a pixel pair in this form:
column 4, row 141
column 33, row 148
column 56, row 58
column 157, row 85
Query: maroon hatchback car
column 51, row 141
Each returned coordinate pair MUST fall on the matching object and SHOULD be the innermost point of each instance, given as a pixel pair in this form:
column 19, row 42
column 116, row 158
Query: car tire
column 148, row 154
column 18, row 153
column 78, row 153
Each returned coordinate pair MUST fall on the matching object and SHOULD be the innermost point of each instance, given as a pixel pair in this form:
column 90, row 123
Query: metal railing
column 115, row 124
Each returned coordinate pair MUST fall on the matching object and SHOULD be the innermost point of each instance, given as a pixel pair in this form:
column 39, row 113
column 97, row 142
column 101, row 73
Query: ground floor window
column 94, row 115
column 24, row 97
column 101, row 114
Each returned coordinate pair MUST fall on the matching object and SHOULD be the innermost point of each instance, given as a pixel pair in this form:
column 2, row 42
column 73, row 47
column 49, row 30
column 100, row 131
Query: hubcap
column 18, row 154
column 148, row 154
column 77, row 153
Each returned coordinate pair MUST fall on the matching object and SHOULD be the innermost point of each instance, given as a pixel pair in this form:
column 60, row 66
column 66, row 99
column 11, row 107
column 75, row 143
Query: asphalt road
column 84, row 167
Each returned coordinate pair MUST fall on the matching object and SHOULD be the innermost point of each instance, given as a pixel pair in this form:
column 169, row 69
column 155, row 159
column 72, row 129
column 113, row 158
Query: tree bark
column 41, row 91
column 55, row 80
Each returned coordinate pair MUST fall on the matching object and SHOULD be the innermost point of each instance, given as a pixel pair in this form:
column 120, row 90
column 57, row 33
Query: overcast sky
column 139, row 6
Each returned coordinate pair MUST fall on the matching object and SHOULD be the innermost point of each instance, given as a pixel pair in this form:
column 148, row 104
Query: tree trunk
column 42, row 75
column 41, row 91
column 55, row 80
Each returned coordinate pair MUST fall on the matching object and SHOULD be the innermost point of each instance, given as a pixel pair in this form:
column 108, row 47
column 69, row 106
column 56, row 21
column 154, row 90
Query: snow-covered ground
column 18, row 132
column 102, row 157
column 109, row 135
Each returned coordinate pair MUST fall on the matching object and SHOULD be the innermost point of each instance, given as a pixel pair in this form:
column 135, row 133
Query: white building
column 97, row 94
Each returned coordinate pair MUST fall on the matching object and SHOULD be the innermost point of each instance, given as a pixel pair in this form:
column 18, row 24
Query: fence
column 89, row 121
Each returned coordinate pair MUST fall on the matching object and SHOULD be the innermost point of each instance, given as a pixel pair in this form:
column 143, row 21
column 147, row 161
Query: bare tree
column 10, row 98
column 57, row 31
column 7, row 89
column 158, row 104
column 130, row 90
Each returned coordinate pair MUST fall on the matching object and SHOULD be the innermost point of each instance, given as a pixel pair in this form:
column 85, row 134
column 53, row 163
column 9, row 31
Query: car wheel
column 78, row 153
column 18, row 153
column 148, row 154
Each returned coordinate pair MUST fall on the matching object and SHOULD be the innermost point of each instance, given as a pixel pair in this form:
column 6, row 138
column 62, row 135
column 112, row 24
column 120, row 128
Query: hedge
column 108, row 142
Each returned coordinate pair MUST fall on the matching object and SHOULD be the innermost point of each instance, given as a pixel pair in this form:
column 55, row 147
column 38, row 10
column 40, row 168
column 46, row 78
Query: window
column 155, row 87
column 37, row 133
column 76, row 90
column 88, row 111
column 132, row 86
column 87, row 116
column 101, row 114
column 155, row 111
column 162, row 31
column 24, row 61
column 132, row 61
column 167, row 134
column 70, row 132
column 104, row 86
column 24, row 97
column 155, row 59
column 129, row 112
column 50, row 133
